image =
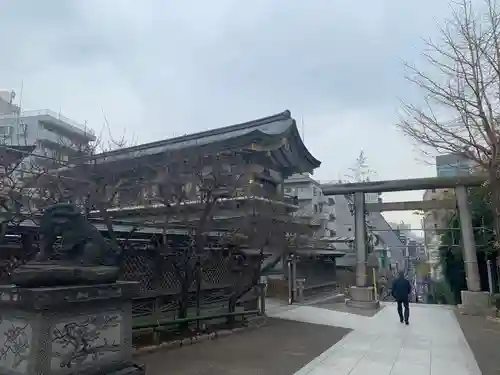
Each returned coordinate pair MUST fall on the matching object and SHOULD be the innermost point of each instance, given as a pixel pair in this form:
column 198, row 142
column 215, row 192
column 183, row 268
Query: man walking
column 401, row 289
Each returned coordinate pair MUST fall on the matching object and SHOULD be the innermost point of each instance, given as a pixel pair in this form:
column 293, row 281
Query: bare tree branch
column 460, row 85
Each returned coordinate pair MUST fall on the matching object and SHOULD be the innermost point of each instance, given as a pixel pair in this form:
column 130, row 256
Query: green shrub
column 443, row 293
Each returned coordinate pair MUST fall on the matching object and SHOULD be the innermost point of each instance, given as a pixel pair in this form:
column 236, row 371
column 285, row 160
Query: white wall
column 7, row 108
column 312, row 203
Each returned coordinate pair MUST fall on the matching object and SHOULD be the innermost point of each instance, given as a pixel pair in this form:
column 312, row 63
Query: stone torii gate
column 473, row 300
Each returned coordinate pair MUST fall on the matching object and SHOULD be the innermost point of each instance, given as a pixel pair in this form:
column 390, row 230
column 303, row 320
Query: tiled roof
column 278, row 126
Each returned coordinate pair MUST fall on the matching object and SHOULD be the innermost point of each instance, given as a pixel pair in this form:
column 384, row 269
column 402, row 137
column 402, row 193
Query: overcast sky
column 163, row 68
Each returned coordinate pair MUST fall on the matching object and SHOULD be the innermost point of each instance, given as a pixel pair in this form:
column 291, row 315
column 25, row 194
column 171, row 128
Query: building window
column 331, row 217
column 331, row 202
column 5, row 131
column 288, row 190
column 316, row 208
column 315, row 193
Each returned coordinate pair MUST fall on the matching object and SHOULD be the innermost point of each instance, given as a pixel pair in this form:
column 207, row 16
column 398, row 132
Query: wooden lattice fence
column 160, row 288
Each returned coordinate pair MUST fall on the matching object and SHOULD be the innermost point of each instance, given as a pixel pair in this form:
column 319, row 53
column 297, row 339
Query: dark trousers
column 406, row 305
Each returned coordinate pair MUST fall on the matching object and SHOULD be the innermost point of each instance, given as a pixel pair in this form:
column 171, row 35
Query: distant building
column 453, row 165
column 56, row 138
column 433, row 223
column 402, row 229
column 313, row 204
column 334, row 220
column 435, row 220
column 413, row 244
column 6, row 102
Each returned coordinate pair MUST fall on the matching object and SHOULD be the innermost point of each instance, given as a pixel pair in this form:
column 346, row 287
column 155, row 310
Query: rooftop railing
column 48, row 112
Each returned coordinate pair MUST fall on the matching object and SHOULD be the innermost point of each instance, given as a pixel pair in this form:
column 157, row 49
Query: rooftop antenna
column 21, row 94
column 18, row 117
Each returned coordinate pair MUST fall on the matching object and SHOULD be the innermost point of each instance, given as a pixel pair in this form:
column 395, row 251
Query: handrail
column 161, row 323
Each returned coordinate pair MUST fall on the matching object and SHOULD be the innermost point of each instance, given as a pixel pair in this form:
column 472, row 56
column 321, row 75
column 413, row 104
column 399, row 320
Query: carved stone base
column 363, row 298
column 474, row 303
column 63, row 330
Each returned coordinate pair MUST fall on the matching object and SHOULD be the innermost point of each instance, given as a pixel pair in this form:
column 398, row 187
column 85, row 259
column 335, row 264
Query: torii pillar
column 362, row 295
column 474, row 301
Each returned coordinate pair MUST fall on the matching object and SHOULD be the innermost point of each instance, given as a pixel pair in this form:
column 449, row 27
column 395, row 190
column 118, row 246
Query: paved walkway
column 433, row 344
column 280, row 347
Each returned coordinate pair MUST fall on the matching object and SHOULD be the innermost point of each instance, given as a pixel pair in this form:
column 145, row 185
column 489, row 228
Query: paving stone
column 381, row 345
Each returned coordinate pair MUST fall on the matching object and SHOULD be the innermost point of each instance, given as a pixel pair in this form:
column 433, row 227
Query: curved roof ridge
column 285, row 115
column 303, row 146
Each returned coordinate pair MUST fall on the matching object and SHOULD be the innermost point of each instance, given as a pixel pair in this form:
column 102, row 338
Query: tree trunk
column 242, row 290
column 494, row 187
column 198, row 294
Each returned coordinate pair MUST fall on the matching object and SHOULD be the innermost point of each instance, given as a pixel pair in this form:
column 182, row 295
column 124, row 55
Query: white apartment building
column 403, row 228
column 56, row 137
column 389, row 243
column 434, row 222
column 453, row 165
column 335, row 221
column 313, row 204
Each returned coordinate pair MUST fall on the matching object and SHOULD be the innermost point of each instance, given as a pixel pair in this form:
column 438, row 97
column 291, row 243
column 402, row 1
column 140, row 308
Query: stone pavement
column 433, row 344
column 281, row 347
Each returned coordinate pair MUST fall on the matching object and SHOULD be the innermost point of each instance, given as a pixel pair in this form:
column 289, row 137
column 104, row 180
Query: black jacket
column 401, row 289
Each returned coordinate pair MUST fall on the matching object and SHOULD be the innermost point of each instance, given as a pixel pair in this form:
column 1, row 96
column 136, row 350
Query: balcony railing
column 314, row 218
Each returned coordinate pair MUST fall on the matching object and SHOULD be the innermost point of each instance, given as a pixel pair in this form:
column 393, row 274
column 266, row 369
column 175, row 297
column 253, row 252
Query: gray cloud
column 163, row 67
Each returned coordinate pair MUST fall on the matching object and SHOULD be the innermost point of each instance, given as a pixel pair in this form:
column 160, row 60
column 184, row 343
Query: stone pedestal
column 475, row 303
column 362, row 297
column 67, row 330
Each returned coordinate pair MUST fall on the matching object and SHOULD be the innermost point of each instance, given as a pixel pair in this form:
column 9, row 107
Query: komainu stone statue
column 84, row 256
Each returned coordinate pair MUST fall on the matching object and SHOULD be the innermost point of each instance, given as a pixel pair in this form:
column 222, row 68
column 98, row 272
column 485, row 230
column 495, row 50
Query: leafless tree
column 91, row 180
column 14, row 191
column 16, row 197
column 216, row 202
column 459, row 113
column 269, row 228
column 192, row 189
column 360, row 171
